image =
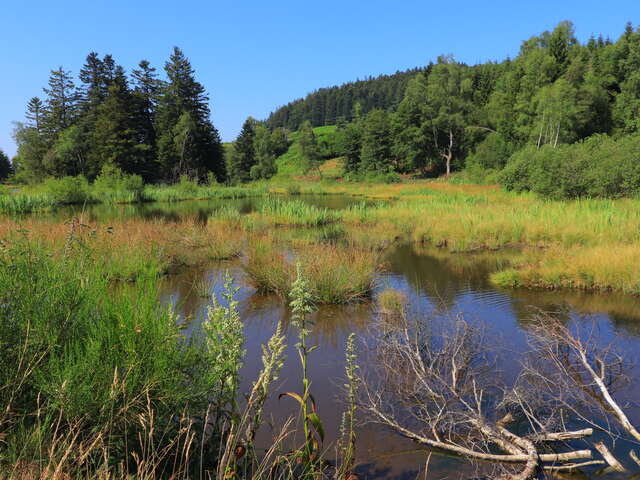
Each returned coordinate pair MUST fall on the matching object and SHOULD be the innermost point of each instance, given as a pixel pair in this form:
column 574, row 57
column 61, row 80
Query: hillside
column 328, row 106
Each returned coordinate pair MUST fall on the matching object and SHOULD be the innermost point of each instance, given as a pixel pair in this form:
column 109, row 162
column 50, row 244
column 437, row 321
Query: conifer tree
column 6, row 168
column 34, row 113
column 309, row 148
column 188, row 143
column 61, row 103
column 244, row 154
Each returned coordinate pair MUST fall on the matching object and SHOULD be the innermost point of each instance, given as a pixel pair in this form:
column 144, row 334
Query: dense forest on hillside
column 560, row 119
column 328, row 106
column 141, row 124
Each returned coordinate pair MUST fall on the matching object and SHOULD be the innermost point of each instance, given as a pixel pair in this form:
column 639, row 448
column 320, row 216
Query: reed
column 291, row 213
column 336, row 274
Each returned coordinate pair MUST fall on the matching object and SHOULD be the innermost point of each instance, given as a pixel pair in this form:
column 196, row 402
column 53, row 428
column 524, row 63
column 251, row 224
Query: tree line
column 556, row 91
column 553, row 96
column 329, row 106
column 157, row 128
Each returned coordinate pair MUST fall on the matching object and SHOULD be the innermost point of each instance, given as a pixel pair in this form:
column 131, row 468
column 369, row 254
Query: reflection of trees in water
column 441, row 276
column 444, row 277
column 622, row 310
column 331, row 323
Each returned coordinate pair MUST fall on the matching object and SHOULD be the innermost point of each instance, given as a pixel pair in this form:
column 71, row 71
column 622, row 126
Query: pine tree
column 309, row 148
column 6, row 168
column 94, row 86
column 376, row 142
column 115, row 138
column 244, row 154
column 188, row 143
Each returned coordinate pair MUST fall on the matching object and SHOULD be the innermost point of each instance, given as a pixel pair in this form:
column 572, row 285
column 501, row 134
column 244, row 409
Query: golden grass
column 336, row 274
column 392, row 302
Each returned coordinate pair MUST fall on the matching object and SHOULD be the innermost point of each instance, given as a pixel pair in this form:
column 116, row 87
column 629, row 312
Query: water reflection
column 200, row 209
column 436, row 284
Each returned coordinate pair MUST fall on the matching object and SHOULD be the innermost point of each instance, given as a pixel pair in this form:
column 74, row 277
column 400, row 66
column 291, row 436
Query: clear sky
column 253, row 56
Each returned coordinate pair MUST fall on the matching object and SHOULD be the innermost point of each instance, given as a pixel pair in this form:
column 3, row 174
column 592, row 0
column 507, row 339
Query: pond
column 438, row 284
column 200, row 209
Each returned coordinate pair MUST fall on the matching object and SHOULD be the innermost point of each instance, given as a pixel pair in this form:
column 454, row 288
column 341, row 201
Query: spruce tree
column 188, row 143
column 309, row 148
column 244, row 154
column 61, row 103
column 6, row 168
column 34, row 113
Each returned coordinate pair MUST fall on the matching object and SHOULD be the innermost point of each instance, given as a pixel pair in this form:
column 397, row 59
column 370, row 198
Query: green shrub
column 67, row 190
column 599, row 166
column 113, row 185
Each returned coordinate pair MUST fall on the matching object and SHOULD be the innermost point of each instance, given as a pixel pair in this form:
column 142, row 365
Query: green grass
column 86, row 368
column 336, row 274
column 281, row 212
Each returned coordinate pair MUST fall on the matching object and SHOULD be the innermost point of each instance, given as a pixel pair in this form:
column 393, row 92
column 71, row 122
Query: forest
column 560, row 119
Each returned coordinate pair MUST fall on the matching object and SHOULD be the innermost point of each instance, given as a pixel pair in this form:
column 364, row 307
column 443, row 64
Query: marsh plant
column 302, row 307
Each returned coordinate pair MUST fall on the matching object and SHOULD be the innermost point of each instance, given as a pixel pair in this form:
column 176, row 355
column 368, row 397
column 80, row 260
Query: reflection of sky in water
column 437, row 285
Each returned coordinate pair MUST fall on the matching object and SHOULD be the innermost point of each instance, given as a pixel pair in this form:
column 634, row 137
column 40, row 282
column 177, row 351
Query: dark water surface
column 437, row 284
column 201, row 209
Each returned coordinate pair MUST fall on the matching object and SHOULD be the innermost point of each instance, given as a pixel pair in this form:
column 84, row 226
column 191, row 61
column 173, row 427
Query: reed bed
column 336, row 274
column 294, row 213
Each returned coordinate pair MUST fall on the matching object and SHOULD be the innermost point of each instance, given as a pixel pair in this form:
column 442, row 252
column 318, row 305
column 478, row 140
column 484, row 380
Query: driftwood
column 440, row 387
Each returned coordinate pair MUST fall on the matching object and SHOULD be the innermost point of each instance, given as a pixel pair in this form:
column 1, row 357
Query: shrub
column 67, row 190
column 599, row 166
column 116, row 186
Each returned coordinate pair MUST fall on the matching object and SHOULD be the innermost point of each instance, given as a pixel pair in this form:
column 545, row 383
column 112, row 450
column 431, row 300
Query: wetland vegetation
column 458, row 261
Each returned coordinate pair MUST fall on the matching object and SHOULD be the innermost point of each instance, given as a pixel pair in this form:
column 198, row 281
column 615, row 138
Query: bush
column 67, row 190
column 113, row 184
column 599, row 166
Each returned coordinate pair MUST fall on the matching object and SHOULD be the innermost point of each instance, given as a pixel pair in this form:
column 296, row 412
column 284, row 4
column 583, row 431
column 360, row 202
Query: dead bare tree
column 439, row 386
column 579, row 375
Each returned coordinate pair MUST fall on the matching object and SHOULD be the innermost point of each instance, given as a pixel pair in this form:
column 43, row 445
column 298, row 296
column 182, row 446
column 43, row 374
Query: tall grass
column 281, row 212
column 87, row 371
column 336, row 274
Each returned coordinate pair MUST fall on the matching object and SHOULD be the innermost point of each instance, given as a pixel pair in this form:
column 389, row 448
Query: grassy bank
column 99, row 380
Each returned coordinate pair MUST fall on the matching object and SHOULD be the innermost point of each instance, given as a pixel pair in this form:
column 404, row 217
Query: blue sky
column 253, row 56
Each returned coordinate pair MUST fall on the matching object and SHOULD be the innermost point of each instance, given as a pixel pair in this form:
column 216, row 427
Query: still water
column 436, row 283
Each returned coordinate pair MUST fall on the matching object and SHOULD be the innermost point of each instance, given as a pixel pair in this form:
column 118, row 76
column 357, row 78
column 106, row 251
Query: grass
column 148, row 385
column 392, row 302
column 336, row 274
column 294, row 213
column 568, row 241
column 157, row 403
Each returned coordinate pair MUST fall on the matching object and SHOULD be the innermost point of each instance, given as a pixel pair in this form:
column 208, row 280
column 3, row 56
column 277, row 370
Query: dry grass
column 337, row 274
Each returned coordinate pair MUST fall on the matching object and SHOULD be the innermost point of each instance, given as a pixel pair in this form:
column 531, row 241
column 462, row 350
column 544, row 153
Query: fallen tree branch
column 608, row 456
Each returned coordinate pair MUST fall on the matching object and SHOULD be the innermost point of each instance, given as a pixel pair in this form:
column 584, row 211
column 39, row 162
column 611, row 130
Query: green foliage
column 599, row 166
column 67, row 190
column 330, row 106
column 113, row 185
column 295, row 213
column 243, row 155
column 6, row 168
column 309, row 149
column 375, row 154
column 61, row 319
